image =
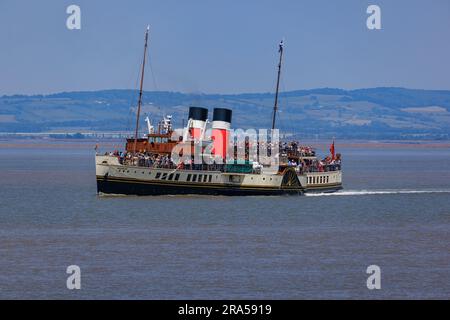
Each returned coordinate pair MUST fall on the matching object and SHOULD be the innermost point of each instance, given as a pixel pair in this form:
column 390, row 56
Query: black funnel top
column 197, row 113
column 221, row 114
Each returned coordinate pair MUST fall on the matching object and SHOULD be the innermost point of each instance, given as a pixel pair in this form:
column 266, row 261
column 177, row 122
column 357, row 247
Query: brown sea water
column 394, row 212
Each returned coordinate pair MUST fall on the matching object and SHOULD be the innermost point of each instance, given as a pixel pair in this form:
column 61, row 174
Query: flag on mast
column 332, row 151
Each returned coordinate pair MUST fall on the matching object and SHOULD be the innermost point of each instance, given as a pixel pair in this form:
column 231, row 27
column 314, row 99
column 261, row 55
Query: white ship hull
column 115, row 178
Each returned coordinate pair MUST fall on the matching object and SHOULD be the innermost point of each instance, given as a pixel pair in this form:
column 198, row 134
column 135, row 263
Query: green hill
column 391, row 113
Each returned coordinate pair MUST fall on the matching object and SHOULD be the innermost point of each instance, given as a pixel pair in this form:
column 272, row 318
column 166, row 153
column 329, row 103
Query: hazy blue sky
column 223, row 46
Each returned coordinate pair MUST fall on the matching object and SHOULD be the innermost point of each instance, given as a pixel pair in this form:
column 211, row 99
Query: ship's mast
column 140, row 91
column 275, row 106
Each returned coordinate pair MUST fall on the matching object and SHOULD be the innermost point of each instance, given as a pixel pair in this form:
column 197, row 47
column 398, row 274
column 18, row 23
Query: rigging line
column 133, row 98
column 150, row 64
column 134, row 74
column 286, row 122
column 283, row 107
column 270, row 103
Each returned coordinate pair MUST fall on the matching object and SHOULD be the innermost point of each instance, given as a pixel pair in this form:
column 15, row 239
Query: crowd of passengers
column 294, row 148
column 145, row 159
column 152, row 160
column 316, row 165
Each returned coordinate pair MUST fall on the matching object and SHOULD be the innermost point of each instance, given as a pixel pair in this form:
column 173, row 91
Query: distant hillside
column 378, row 113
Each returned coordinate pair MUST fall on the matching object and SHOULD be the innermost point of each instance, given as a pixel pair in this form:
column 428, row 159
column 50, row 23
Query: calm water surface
column 394, row 212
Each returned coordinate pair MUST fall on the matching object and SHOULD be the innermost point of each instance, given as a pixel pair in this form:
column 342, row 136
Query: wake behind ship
column 205, row 158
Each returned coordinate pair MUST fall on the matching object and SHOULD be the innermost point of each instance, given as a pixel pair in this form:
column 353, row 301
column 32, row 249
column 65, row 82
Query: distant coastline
column 321, row 145
column 368, row 114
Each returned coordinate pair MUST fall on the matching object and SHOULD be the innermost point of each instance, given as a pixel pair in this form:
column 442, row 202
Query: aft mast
column 275, row 106
column 140, row 91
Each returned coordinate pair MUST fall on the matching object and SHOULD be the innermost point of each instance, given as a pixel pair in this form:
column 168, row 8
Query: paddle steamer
column 147, row 166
